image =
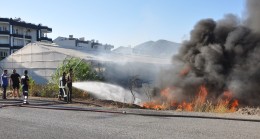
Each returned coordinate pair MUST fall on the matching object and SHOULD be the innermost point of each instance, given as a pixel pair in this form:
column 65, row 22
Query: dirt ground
column 113, row 104
column 249, row 111
column 93, row 102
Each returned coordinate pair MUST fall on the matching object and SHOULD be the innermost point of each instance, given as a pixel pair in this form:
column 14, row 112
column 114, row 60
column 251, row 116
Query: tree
column 133, row 82
column 82, row 70
column 147, row 89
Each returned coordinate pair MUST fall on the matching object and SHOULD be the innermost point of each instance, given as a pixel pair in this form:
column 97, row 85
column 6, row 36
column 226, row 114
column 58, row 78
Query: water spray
column 108, row 92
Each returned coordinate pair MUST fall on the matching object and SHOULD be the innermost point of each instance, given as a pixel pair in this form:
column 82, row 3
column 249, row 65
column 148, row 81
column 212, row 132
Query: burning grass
column 167, row 101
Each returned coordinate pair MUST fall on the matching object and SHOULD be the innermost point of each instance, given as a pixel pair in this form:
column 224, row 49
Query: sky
column 121, row 22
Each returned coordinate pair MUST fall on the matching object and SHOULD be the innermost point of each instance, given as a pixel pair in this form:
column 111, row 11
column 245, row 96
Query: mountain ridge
column 159, row 48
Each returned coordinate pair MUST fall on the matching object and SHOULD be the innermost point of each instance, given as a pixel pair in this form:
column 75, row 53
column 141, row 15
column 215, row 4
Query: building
column 15, row 34
column 81, row 42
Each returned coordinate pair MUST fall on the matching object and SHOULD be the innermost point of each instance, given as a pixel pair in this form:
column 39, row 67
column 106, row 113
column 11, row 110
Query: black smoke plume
column 222, row 55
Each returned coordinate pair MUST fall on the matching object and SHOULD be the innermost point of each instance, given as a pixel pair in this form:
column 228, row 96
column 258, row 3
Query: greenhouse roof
column 103, row 56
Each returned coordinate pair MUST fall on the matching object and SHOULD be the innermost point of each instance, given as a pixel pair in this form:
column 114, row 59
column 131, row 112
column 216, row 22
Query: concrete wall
column 19, row 29
column 71, row 43
column 33, row 33
column 85, row 45
column 64, row 42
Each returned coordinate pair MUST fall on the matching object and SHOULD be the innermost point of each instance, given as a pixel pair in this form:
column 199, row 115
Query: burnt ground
column 115, row 105
column 88, row 103
column 92, row 103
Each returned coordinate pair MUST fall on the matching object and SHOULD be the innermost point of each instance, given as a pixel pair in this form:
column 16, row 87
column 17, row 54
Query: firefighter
column 62, row 86
column 69, row 84
column 25, row 86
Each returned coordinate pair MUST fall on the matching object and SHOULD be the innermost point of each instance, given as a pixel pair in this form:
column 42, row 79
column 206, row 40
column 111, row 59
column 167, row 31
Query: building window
column 3, row 53
column 18, row 42
column 16, row 31
column 0, row 28
column 28, row 31
column 4, row 29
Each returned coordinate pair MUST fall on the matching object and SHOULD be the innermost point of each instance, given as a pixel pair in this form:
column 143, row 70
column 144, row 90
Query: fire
column 185, row 71
column 185, row 106
column 168, row 100
column 154, row 105
column 234, row 105
column 165, row 93
column 202, row 94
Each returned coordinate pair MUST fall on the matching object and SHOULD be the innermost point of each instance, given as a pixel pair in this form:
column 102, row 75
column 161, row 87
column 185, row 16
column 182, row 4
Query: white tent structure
column 42, row 59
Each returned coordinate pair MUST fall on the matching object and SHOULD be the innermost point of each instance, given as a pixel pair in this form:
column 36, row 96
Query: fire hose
column 49, row 106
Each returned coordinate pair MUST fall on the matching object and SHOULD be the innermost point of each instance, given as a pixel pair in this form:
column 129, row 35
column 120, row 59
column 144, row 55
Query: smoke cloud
column 222, row 55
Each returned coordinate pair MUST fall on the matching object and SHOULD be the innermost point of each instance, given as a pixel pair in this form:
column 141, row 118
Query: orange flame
column 203, row 92
column 154, row 105
column 234, row 105
column 167, row 100
column 185, row 106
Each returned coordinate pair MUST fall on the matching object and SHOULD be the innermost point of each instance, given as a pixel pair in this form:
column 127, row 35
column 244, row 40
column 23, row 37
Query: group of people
column 63, row 81
column 15, row 79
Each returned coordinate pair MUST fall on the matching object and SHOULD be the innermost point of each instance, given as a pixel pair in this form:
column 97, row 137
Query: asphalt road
column 30, row 123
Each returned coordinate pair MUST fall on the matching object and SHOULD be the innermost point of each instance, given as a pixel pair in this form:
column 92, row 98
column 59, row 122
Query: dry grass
column 208, row 106
column 196, row 106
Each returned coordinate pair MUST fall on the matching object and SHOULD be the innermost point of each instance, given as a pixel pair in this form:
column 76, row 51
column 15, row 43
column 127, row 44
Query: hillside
column 160, row 48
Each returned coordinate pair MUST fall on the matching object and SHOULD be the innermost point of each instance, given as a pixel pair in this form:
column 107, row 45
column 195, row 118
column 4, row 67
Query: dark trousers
column 62, row 91
column 70, row 90
column 4, row 92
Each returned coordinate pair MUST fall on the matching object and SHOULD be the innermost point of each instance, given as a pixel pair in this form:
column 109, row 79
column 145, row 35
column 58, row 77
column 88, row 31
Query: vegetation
column 82, row 71
column 208, row 106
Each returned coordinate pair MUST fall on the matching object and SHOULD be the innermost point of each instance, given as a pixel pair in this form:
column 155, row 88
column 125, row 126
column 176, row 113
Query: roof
column 102, row 56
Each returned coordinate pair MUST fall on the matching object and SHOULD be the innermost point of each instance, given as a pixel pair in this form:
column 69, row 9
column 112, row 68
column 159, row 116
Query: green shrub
column 82, row 71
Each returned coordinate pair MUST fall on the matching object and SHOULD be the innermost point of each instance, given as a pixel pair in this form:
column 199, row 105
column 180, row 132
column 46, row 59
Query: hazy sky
column 120, row 22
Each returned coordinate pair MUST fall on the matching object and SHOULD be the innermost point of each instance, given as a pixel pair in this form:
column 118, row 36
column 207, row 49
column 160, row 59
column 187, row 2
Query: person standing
column 4, row 79
column 62, row 86
column 25, row 86
column 15, row 83
column 69, row 83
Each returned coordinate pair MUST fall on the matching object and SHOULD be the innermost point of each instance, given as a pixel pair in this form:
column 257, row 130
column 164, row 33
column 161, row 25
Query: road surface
column 31, row 123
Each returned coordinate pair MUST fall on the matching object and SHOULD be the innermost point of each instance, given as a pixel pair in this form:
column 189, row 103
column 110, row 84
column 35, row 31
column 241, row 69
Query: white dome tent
column 40, row 62
column 42, row 59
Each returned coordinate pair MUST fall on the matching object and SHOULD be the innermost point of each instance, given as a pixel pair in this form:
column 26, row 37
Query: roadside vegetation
column 82, row 71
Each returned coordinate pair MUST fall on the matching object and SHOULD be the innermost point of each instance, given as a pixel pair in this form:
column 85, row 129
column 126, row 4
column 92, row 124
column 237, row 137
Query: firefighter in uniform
column 69, row 84
column 25, row 86
column 62, row 86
